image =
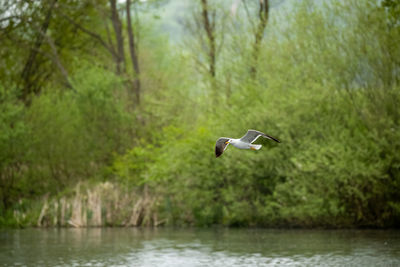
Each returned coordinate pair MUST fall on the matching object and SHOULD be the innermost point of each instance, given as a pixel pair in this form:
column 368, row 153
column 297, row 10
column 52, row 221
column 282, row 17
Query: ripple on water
column 177, row 247
column 166, row 253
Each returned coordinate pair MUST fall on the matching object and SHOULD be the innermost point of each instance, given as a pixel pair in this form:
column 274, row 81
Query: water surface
column 198, row 247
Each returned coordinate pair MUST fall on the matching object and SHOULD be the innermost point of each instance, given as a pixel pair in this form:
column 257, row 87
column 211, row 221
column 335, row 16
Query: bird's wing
column 220, row 146
column 252, row 136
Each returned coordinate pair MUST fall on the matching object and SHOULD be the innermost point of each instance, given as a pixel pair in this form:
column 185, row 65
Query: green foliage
column 13, row 132
column 62, row 138
column 333, row 107
column 327, row 85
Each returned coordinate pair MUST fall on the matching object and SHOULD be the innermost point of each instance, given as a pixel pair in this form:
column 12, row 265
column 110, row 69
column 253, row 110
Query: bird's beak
column 227, row 142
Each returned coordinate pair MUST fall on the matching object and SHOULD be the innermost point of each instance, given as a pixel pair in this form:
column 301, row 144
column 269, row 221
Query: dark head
column 220, row 146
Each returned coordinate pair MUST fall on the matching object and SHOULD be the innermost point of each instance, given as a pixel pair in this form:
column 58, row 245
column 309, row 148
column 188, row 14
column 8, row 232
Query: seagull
column 243, row 143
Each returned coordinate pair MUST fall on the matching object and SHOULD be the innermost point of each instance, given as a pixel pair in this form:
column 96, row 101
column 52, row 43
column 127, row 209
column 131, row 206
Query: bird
column 245, row 142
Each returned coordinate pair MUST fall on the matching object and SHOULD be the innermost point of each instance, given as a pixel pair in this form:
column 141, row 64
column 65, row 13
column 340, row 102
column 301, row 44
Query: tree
column 39, row 38
column 209, row 27
column 133, row 52
column 117, row 51
column 263, row 13
column 393, row 7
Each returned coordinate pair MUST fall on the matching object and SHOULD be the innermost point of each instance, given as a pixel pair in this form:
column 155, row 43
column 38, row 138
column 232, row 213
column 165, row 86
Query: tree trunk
column 210, row 30
column 30, row 65
column 118, row 36
column 262, row 23
column 133, row 53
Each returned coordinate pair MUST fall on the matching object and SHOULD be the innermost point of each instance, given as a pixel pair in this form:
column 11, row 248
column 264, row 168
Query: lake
column 198, row 247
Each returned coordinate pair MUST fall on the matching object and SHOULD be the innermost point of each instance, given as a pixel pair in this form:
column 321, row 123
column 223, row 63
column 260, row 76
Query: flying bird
column 243, row 143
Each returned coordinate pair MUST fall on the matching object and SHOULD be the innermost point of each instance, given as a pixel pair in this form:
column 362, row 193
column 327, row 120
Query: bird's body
column 242, row 143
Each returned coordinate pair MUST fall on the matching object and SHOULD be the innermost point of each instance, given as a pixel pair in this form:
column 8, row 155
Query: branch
column 93, row 35
column 29, row 65
column 248, row 15
column 8, row 18
column 56, row 59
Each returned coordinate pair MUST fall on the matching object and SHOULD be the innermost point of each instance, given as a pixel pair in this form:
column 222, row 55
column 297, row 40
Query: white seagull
column 243, row 143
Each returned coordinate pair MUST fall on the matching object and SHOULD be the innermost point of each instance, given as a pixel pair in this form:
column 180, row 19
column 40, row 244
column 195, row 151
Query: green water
column 198, row 247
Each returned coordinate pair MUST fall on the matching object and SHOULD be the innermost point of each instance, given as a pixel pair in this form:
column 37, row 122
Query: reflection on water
column 198, row 247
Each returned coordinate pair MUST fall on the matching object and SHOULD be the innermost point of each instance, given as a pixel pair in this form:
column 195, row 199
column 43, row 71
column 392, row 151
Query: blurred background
column 109, row 113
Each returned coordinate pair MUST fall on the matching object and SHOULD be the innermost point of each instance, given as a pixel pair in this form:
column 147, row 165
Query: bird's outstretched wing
column 252, row 136
column 220, row 146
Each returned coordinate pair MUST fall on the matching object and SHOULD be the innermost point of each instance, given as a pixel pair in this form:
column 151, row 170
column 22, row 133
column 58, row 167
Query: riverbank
column 87, row 205
column 109, row 205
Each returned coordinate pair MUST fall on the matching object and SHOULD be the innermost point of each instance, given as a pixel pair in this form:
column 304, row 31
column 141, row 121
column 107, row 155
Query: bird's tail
column 256, row 147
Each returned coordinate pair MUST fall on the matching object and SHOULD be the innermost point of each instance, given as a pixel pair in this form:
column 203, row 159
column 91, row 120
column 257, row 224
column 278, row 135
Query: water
column 198, row 247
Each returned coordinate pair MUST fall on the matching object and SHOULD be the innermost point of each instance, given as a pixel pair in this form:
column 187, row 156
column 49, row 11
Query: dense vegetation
column 104, row 121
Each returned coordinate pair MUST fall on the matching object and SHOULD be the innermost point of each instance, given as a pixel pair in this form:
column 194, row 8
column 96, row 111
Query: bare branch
column 92, row 34
column 246, row 8
column 56, row 59
column 8, row 18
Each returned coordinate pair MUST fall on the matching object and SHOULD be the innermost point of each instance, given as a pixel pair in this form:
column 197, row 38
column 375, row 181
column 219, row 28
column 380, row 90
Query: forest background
column 109, row 113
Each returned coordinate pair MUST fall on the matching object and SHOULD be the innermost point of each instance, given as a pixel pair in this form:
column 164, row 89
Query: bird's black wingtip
column 273, row 138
